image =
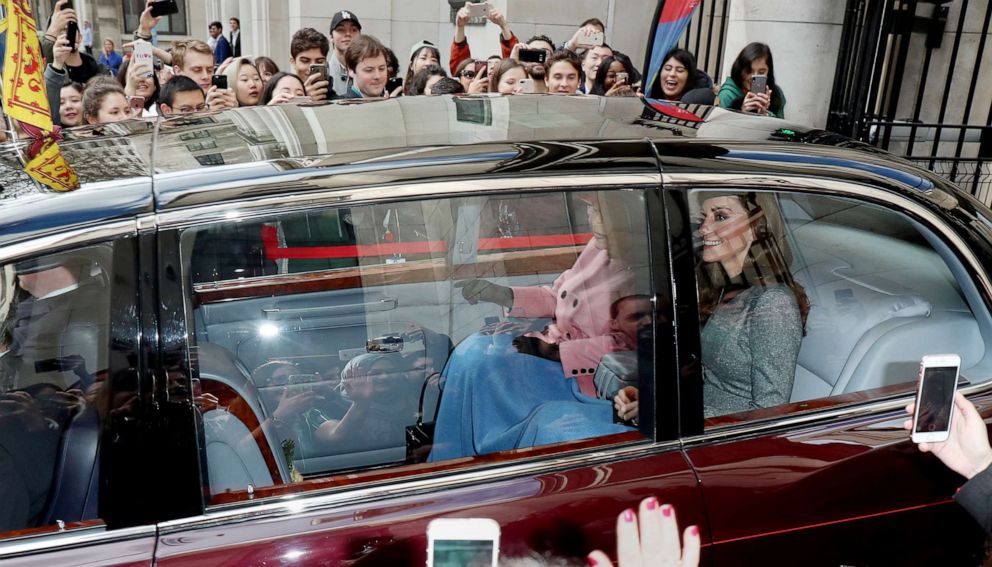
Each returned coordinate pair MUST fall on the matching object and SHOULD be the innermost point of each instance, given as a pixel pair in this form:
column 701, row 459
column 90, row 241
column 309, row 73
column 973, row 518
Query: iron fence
column 706, row 36
column 909, row 80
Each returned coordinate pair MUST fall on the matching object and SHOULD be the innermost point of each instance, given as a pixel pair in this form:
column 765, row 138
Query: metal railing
column 706, row 36
column 901, row 75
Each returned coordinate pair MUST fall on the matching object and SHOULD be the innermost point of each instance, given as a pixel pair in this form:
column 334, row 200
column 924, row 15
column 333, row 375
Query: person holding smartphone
column 244, row 78
column 194, row 59
column 753, row 66
column 591, row 59
column 968, row 453
column 460, row 50
column 615, row 77
column 308, row 58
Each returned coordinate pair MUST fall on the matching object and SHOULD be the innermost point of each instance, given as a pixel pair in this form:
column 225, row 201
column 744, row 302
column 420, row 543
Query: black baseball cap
column 344, row 16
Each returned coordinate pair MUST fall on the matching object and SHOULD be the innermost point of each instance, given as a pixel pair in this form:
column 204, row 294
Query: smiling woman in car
column 753, row 312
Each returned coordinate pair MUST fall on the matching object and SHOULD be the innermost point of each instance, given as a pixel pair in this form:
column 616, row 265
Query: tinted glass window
column 54, row 344
column 805, row 297
column 344, row 339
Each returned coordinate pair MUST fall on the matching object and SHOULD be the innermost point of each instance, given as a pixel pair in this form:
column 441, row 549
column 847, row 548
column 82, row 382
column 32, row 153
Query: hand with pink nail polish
column 654, row 541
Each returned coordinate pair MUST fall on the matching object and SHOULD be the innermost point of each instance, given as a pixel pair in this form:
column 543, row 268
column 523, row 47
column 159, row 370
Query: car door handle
column 276, row 313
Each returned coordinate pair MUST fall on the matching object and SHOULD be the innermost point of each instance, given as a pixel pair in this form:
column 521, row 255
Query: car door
column 283, row 333
column 66, row 385
column 826, row 473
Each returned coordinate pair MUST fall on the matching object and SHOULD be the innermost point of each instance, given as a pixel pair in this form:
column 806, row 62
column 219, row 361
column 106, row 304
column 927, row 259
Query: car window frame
column 96, row 534
column 846, row 406
column 171, row 223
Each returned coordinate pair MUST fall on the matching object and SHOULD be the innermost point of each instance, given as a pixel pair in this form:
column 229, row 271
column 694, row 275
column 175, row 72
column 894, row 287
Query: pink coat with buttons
column 579, row 301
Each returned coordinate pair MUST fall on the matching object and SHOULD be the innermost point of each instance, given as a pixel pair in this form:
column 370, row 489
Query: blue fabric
column 495, row 399
column 113, row 62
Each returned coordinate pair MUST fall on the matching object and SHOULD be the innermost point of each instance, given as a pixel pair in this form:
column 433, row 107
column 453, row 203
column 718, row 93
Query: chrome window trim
column 76, row 237
column 298, row 202
column 60, row 541
column 849, row 189
column 303, row 502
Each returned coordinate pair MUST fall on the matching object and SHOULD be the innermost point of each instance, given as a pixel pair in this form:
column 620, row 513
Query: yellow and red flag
column 24, row 99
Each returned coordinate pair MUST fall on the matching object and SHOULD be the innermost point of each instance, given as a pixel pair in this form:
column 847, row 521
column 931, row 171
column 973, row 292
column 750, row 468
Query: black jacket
column 976, row 497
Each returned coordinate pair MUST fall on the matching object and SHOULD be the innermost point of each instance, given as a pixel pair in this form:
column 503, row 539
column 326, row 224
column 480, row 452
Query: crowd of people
column 195, row 75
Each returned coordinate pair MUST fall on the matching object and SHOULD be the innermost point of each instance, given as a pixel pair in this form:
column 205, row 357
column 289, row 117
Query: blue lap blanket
column 495, row 399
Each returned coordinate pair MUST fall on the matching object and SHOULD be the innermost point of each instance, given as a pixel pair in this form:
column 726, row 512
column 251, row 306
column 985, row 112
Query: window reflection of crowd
column 349, row 64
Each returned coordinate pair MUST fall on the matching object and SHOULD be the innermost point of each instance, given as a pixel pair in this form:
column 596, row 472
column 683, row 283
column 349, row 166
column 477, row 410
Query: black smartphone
column 319, row 70
column 67, row 5
column 71, row 33
column 393, row 83
column 219, row 81
column 164, row 8
column 533, row 56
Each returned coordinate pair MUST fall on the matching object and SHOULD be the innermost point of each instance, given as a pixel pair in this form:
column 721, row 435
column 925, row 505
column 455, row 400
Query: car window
column 346, row 339
column 808, row 300
column 54, row 343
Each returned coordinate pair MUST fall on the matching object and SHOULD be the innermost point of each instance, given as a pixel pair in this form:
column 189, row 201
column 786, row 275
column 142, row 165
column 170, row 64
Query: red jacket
column 461, row 51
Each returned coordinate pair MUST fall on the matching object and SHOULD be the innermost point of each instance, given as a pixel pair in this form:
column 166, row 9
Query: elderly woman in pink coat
column 505, row 391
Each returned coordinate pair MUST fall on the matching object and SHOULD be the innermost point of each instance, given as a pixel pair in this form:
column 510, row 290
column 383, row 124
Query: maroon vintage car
column 246, row 340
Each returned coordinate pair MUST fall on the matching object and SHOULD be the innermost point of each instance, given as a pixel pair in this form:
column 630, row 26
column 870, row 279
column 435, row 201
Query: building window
column 174, row 24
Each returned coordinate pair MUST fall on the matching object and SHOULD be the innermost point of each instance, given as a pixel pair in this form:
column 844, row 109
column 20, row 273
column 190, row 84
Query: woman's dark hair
column 447, row 85
column 418, row 83
column 751, row 53
column 413, row 57
column 265, row 64
column 122, row 79
column 767, row 261
column 394, row 62
column 688, row 60
column 270, row 88
column 599, row 83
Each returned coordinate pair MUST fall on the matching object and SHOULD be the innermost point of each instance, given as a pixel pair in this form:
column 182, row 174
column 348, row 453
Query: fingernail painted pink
column 666, row 510
column 628, row 516
column 694, row 530
column 592, row 561
column 652, row 503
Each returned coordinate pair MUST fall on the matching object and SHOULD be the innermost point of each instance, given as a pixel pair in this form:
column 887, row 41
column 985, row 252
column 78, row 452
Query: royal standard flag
column 24, row 97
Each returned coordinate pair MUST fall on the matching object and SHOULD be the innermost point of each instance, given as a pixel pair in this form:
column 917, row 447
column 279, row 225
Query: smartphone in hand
column 143, row 55
column 462, row 541
column 622, row 78
column 532, row 55
column 590, row 39
column 759, row 83
column 137, row 104
column 219, row 81
column 479, row 10
column 935, row 397
column 72, row 34
column 164, row 8
column 319, row 70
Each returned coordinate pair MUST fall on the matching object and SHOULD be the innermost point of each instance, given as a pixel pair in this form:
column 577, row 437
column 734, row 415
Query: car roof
column 143, row 166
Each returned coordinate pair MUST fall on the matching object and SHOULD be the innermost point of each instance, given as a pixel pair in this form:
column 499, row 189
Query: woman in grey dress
column 753, row 313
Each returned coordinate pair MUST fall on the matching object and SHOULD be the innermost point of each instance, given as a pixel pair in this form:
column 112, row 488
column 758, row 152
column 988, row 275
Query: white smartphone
column 526, row 86
column 594, row 39
column 480, row 10
column 622, row 78
column 935, row 397
column 143, row 55
column 461, row 542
